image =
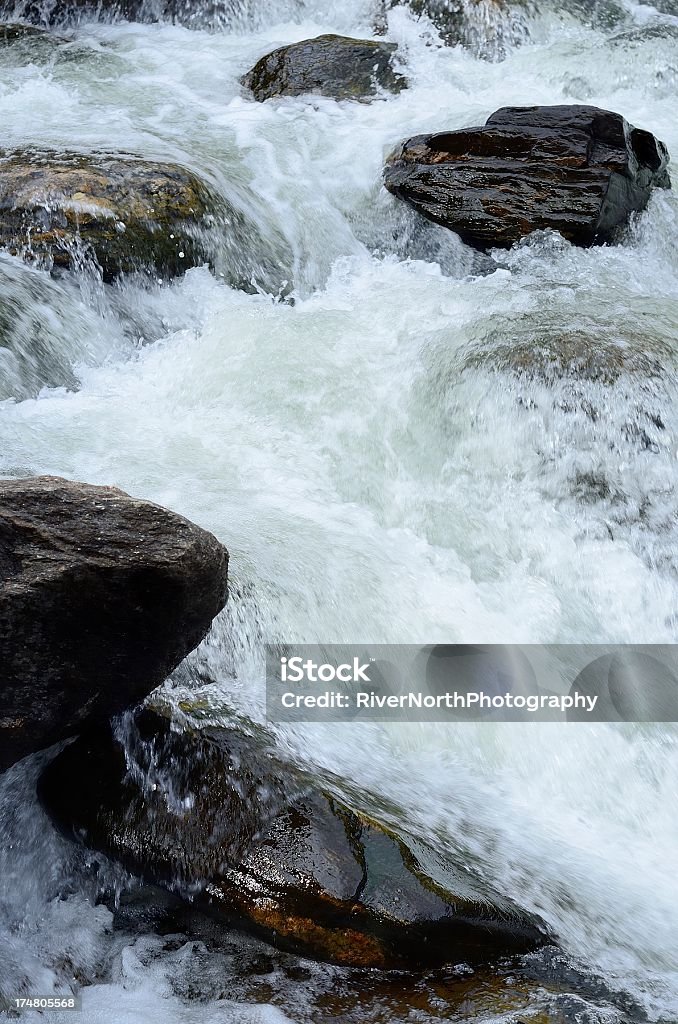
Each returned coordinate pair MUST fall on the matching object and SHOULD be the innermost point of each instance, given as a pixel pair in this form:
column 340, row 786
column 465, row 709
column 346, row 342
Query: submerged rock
column 261, row 845
column 102, row 596
column 12, row 32
column 553, row 356
column 484, row 26
column 127, row 214
column 330, row 65
column 575, row 169
column 45, row 331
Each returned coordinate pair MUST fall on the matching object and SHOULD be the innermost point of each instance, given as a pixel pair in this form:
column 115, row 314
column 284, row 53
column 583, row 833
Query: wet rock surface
column 126, row 214
column 328, row 65
column 102, row 596
column 578, row 170
column 269, row 850
column 12, row 32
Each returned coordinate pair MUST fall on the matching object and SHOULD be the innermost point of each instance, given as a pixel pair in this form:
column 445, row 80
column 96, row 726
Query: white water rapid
column 375, row 479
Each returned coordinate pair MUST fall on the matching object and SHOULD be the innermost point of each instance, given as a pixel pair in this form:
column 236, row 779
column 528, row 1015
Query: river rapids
column 353, row 429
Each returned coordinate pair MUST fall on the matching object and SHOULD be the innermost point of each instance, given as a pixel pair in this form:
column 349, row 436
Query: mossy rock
column 258, row 844
column 329, row 65
column 125, row 213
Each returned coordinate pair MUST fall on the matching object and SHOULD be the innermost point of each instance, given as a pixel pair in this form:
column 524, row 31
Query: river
column 373, row 479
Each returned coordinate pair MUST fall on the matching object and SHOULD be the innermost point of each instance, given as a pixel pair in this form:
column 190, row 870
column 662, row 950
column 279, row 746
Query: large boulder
column 126, row 213
column 102, row 596
column 255, row 843
column 329, row 65
column 578, row 170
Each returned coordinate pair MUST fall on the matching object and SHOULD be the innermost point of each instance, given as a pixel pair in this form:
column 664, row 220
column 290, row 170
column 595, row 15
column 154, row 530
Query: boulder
column 575, row 169
column 257, row 844
column 102, row 596
column 126, row 213
column 329, row 65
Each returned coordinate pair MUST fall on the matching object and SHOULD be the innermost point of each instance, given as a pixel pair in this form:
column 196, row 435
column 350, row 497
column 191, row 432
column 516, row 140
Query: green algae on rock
column 124, row 213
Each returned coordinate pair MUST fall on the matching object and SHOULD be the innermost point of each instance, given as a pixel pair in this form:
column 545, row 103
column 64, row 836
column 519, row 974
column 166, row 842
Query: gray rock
column 102, row 595
column 328, row 65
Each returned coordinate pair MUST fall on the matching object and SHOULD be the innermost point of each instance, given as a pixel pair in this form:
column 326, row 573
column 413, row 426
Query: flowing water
column 354, row 429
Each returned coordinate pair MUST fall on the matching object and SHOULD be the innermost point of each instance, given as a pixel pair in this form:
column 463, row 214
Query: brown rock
column 578, row 170
column 102, row 595
column 127, row 214
column 272, row 852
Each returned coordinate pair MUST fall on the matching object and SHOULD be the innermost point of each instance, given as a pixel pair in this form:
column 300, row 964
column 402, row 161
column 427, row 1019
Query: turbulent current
column 359, row 428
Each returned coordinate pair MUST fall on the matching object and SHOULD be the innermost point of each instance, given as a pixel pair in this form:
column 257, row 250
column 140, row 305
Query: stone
column 259, row 845
column 329, row 65
column 578, row 170
column 126, row 213
column 102, row 596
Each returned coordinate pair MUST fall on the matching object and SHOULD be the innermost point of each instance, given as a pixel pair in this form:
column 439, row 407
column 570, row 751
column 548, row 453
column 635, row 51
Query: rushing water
column 378, row 473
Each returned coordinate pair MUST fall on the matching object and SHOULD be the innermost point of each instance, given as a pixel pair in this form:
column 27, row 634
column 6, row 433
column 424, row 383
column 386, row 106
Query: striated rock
column 127, row 214
column 575, row 169
column 102, row 596
column 271, row 851
column 330, row 65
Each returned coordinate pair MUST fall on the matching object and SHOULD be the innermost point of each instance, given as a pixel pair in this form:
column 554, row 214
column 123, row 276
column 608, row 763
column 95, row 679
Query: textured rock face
column 129, row 214
column 578, row 170
column 271, row 850
column 101, row 596
column 329, row 65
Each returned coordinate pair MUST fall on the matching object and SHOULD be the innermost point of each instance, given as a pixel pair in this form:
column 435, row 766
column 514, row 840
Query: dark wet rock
column 329, row 65
column 45, row 330
column 12, row 32
column 575, row 169
column 127, row 214
column 271, row 850
column 102, row 596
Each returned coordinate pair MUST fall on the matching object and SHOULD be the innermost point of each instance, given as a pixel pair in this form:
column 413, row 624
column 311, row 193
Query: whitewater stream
column 354, row 430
